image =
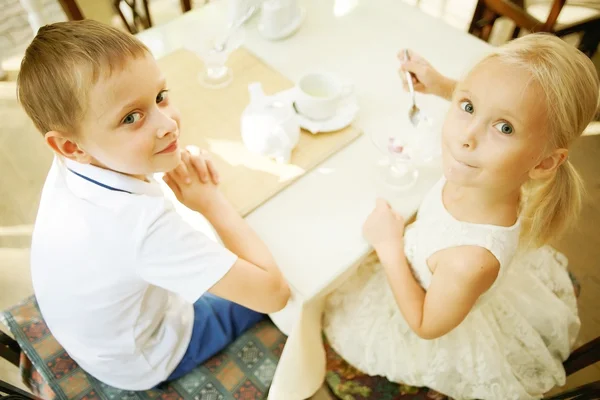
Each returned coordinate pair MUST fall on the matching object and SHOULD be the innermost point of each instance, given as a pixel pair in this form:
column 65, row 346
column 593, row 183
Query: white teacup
column 319, row 95
column 277, row 15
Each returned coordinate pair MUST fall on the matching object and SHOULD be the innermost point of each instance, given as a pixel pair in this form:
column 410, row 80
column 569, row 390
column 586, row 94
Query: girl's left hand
column 384, row 226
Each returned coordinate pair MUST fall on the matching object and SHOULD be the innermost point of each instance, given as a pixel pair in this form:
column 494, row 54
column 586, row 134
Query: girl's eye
column 162, row 96
column 132, row 118
column 467, row 106
column 504, row 127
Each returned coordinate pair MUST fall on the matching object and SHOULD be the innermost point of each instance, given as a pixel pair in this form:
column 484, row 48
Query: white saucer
column 287, row 31
column 344, row 117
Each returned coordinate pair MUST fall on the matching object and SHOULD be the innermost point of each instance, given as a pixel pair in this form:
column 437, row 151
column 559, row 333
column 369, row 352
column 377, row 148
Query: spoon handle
column 409, row 77
column 220, row 46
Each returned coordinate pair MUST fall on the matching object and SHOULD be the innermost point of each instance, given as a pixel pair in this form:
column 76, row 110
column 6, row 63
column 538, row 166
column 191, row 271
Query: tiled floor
column 24, row 161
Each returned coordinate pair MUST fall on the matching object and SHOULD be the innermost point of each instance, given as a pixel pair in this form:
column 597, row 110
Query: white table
column 313, row 227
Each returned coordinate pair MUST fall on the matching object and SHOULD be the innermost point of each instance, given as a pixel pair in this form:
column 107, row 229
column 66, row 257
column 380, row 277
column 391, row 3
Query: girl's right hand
column 426, row 79
column 384, row 227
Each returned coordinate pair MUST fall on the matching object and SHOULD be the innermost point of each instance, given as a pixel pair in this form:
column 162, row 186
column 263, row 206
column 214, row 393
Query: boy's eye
column 132, row 118
column 162, row 96
column 504, row 127
column 467, row 106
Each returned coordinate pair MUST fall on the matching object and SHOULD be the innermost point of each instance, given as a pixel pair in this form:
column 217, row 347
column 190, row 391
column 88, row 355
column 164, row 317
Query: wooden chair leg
column 483, row 21
column 590, row 41
column 147, row 11
column 9, row 349
column 71, row 9
column 590, row 391
column 130, row 27
column 14, row 392
column 583, row 357
column 490, row 17
column 517, row 30
column 186, row 5
column 144, row 21
column 474, row 28
column 138, row 19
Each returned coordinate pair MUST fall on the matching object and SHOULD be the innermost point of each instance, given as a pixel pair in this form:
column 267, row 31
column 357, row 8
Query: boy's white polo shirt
column 116, row 273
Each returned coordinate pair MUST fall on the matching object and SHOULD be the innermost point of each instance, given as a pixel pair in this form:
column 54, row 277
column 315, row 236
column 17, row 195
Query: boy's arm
column 237, row 235
column 255, row 266
column 459, row 280
column 254, row 280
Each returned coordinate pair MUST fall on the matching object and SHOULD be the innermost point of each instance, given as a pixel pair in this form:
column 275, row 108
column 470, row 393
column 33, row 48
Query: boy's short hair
column 62, row 63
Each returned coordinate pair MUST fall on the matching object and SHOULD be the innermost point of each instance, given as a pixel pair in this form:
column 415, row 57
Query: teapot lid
column 263, row 104
column 257, row 95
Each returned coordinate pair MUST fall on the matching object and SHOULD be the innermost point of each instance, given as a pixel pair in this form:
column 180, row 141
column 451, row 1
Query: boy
column 133, row 293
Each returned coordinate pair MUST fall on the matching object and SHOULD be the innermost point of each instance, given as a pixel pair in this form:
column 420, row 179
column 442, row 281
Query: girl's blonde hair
column 570, row 83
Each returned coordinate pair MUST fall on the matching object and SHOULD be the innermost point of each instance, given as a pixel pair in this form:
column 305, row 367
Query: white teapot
column 269, row 126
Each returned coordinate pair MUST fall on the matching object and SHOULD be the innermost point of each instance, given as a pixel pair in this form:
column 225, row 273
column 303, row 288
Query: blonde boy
column 133, row 293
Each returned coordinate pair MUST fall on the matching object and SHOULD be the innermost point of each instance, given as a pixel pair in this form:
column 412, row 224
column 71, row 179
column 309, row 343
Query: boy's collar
column 105, row 179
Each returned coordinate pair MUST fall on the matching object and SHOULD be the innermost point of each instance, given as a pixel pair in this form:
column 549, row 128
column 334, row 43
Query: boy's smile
column 170, row 148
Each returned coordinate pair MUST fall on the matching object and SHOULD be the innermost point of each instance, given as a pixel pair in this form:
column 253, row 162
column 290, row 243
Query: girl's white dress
column 510, row 346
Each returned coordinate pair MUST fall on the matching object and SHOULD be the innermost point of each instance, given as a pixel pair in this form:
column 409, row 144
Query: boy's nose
column 166, row 124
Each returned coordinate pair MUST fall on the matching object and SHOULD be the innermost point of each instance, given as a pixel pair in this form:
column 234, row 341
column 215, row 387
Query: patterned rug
column 348, row 383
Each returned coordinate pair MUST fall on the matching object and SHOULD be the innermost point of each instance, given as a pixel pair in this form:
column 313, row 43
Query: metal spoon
column 414, row 114
column 220, row 46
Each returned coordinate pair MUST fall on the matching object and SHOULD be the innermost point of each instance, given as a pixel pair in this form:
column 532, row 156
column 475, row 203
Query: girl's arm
column 462, row 274
column 426, row 79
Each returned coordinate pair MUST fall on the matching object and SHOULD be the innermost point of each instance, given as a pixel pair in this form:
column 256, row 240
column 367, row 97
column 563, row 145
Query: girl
column 470, row 300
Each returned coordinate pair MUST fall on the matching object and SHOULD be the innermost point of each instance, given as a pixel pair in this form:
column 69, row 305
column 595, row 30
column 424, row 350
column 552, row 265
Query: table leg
column 301, row 369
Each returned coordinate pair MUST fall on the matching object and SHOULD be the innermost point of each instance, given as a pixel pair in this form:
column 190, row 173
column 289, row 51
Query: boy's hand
column 384, row 227
column 202, row 166
column 426, row 79
column 194, row 182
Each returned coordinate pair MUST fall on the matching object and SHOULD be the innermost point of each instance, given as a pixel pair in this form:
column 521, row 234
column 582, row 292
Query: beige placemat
column 211, row 120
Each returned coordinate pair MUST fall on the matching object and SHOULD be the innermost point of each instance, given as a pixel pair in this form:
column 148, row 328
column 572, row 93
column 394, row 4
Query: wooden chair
column 9, row 392
column 73, row 13
column 488, row 11
column 140, row 19
column 10, row 351
column 586, row 355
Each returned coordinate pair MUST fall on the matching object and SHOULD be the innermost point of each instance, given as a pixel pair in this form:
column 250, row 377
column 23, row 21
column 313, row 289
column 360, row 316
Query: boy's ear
column 62, row 145
column 548, row 166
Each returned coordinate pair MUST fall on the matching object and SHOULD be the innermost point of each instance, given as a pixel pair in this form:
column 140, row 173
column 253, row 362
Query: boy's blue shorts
column 217, row 322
